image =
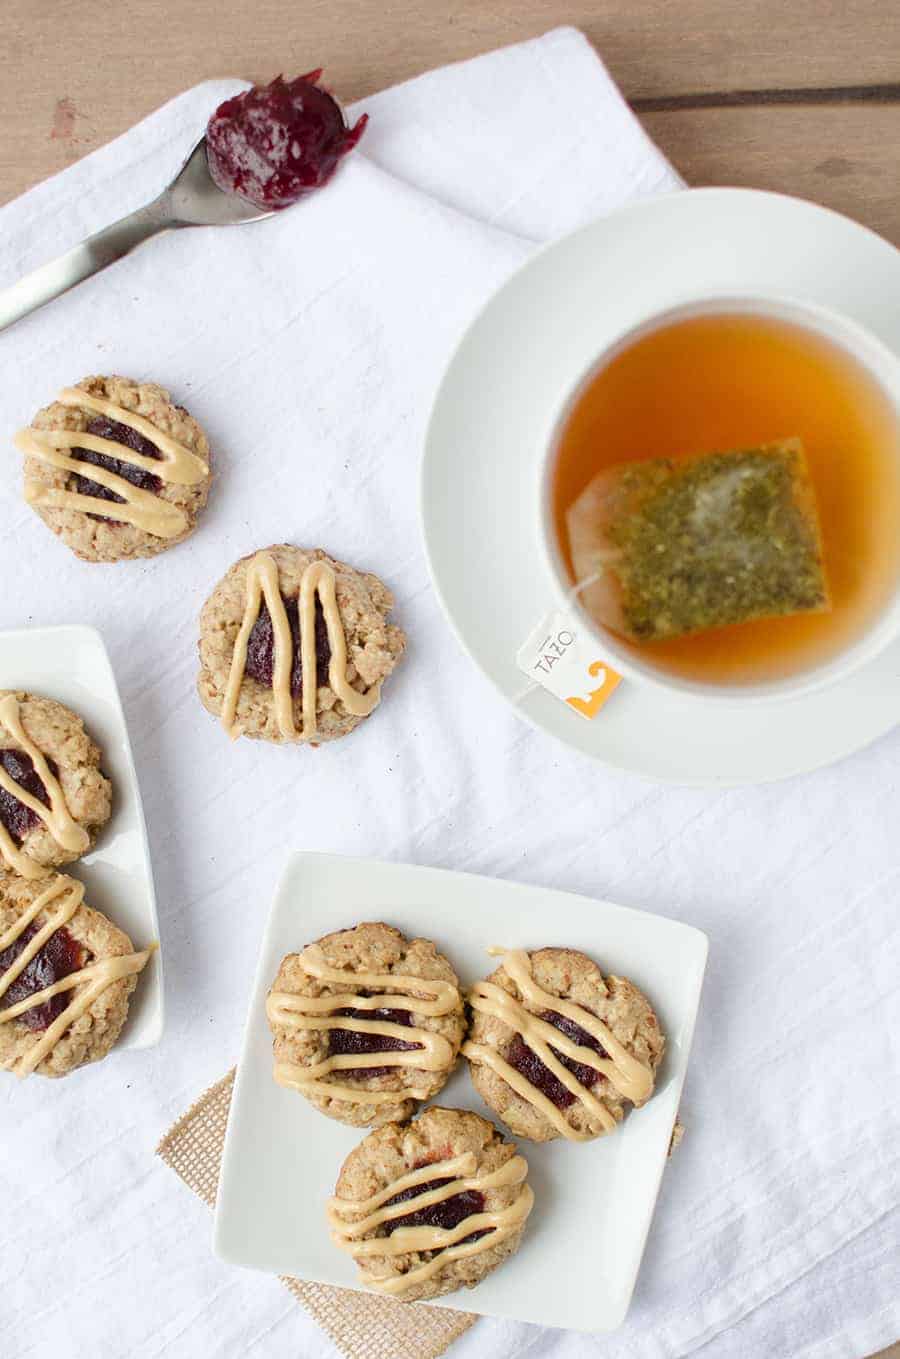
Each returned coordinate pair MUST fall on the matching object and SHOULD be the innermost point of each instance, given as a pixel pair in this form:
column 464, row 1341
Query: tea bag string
column 571, row 597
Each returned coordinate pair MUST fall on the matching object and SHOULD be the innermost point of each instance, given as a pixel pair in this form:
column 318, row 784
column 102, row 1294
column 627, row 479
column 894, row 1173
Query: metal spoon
column 192, row 199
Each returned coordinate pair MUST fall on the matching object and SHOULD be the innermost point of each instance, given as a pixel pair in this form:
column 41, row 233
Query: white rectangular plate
column 579, row 1260
column 70, row 664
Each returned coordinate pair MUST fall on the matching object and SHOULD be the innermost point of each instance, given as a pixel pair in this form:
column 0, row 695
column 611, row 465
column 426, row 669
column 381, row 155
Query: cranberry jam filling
column 533, row 1069
column 118, row 434
column 447, row 1214
column 275, row 143
column 260, row 663
column 60, row 956
column 342, row 1041
column 16, row 817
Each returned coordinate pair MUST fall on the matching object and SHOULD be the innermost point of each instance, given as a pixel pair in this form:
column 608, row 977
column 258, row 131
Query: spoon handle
column 85, row 259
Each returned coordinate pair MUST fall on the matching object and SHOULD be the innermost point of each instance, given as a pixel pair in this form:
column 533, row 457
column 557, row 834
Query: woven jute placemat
column 362, row 1325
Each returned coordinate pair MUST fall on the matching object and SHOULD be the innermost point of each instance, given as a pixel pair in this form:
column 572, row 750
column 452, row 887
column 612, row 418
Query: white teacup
column 884, row 368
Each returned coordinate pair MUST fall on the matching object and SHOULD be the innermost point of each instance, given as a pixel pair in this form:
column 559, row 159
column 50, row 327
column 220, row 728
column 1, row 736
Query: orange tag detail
column 561, row 656
column 609, row 682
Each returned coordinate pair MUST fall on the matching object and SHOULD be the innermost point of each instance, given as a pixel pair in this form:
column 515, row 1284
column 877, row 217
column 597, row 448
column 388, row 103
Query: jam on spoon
column 274, row 143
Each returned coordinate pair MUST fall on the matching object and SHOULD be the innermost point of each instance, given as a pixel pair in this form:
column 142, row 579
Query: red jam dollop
column 60, row 956
column 260, row 663
column 16, row 817
column 446, row 1214
column 118, row 434
column 342, row 1041
column 274, row 143
column 520, row 1056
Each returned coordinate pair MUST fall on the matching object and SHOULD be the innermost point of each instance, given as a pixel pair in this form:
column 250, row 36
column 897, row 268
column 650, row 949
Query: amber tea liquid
column 728, row 381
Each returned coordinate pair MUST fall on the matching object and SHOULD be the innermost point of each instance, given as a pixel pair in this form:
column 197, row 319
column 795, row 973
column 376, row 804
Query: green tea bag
column 679, row 547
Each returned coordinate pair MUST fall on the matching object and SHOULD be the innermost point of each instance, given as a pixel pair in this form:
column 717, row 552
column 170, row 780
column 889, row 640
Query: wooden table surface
column 801, row 97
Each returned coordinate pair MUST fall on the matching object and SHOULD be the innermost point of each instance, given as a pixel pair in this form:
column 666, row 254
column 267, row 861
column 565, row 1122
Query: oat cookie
column 431, row 1206
column 54, row 799
column 312, row 612
column 558, row 1050
column 149, row 457
column 82, row 1020
column 366, row 1023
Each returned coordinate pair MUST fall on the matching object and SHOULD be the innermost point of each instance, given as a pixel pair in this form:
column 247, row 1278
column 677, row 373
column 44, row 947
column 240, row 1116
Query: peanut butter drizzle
column 57, row 817
column 178, row 466
column 95, row 978
column 262, row 583
column 294, row 1077
column 459, row 1171
column 630, row 1077
column 317, row 1013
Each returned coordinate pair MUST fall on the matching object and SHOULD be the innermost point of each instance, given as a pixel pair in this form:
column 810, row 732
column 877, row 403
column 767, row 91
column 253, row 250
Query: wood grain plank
column 74, row 77
column 846, row 158
column 886, row 93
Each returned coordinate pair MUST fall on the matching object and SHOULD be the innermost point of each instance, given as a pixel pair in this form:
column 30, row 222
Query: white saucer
column 489, row 429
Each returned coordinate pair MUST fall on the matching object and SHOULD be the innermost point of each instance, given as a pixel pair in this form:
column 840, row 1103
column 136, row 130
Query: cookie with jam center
column 116, row 469
column 366, row 1023
column 557, row 1049
column 54, row 797
column 66, row 977
column 295, row 646
column 431, row 1206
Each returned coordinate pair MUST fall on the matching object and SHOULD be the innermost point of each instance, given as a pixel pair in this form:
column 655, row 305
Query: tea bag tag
column 561, row 656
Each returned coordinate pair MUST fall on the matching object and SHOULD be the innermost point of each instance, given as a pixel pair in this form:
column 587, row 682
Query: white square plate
column 70, row 664
column 579, row 1260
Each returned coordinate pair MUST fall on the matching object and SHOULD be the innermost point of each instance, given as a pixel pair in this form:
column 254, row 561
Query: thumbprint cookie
column 431, row 1206
column 53, row 798
column 366, row 1023
column 115, row 469
column 66, row 976
column 295, row 646
column 556, row 1049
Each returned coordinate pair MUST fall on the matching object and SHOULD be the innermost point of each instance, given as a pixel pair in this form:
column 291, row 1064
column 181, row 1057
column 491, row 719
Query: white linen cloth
column 310, row 346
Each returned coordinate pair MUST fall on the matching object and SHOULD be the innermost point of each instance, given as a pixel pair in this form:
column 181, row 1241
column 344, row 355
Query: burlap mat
column 362, row 1325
